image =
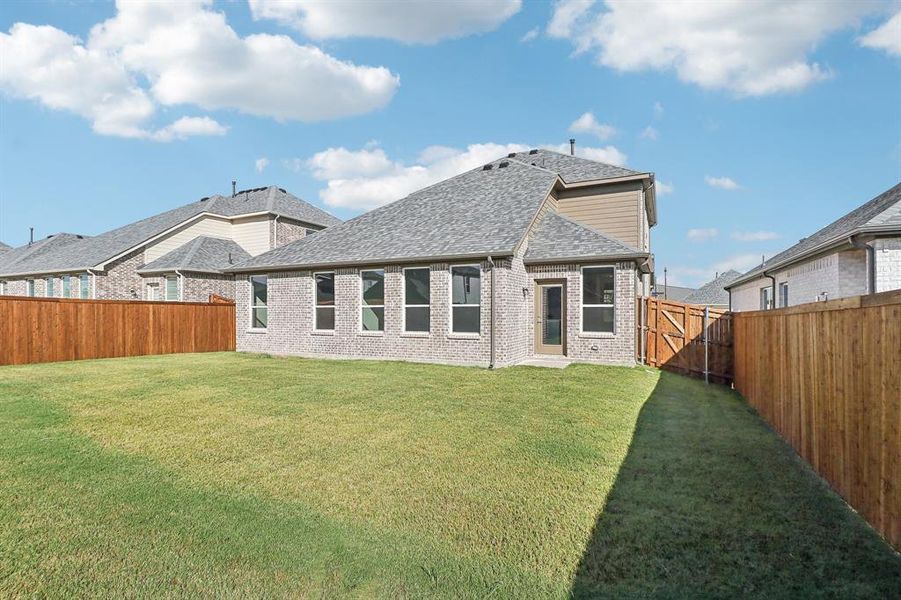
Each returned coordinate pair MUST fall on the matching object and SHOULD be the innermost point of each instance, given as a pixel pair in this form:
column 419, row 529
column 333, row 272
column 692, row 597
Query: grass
column 239, row 475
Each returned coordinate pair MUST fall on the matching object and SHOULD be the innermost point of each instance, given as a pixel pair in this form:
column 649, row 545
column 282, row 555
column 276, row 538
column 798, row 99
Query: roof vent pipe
column 234, row 188
column 30, row 235
column 572, row 146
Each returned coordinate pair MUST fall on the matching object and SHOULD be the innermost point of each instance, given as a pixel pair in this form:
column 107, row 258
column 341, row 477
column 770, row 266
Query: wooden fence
column 827, row 377
column 673, row 336
column 34, row 330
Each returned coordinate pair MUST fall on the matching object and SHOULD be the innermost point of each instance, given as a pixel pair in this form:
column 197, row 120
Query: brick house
column 180, row 254
column 858, row 254
column 535, row 254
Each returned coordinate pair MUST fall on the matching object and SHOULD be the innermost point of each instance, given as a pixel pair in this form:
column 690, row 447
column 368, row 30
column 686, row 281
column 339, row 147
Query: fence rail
column 55, row 329
column 685, row 338
column 827, row 377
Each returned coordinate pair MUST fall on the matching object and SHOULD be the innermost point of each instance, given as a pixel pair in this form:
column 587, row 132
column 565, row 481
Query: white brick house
column 538, row 253
column 858, row 254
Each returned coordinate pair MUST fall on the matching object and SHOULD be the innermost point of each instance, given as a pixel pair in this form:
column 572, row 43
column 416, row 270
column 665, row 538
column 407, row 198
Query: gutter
column 181, row 285
column 493, row 315
column 773, row 286
column 366, row 262
column 275, row 231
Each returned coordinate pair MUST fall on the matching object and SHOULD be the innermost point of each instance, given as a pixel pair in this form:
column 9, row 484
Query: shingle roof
column 201, row 255
column 572, row 169
column 4, row 248
column 473, row 214
column 12, row 259
column 714, row 292
column 93, row 251
column 557, row 238
column 881, row 213
column 673, row 292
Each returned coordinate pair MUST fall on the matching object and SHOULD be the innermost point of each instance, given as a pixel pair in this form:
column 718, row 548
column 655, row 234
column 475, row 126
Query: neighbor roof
column 558, row 238
column 4, row 248
column 201, row 255
column 673, row 292
column 882, row 214
column 475, row 214
column 572, row 169
column 11, row 259
column 714, row 292
column 90, row 252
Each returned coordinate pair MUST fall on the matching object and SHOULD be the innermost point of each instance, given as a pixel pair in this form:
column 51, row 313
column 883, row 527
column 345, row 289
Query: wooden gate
column 685, row 338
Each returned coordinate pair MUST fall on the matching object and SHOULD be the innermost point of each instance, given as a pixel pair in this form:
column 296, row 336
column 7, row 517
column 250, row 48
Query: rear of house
column 537, row 253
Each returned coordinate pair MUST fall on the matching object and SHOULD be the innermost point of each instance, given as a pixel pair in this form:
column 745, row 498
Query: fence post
column 706, row 369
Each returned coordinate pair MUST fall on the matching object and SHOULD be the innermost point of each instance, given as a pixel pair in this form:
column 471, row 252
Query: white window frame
column 49, row 287
column 403, row 295
column 31, row 288
column 166, row 297
column 766, row 298
column 251, row 306
column 65, row 286
column 2, row 288
column 334, row 306
column 450, row 300
column 382, row 305
column 149, row 286
column 783, row 294
column 84, row 285
column 582, row 304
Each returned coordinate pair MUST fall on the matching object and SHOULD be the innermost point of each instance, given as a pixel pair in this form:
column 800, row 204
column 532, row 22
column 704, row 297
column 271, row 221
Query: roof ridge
column 270, row 198
column 533, row 165
column 195, row 245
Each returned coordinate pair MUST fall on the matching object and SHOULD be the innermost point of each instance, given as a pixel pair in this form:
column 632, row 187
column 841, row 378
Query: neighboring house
column 4, row 248
column 713, row 293
column 858, row 254
column 180, row 254
column 538, row 253
column 677, row 293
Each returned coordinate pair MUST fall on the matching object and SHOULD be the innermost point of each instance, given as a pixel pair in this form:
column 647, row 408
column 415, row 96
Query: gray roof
column 672, row 292
column 201, row 255
column 4, row 247
column 557, row 238
column 90, row 252
column 572, row 169
column 12, row 259
column 881, row 214
column 476, row 213
column 713, row 293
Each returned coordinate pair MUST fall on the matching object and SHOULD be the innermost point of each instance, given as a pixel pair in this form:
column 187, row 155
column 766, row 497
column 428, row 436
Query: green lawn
column 240, row 475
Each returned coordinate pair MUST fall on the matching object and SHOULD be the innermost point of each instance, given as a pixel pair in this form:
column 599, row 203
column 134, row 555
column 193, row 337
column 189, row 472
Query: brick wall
column 199, row 286
column 120, row 280
column 287, row 231
column 888, row 264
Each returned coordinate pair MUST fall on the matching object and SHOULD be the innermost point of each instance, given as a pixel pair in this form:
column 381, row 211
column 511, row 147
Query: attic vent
column 486, row 168
column 205, row 198
column 283, row 190
column 503, row 165
column 511, row 155
column 533, row 151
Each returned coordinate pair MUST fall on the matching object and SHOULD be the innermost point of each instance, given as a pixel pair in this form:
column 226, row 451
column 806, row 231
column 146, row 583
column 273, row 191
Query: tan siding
column 208, row 226
column 616, row 212
column 252, row 234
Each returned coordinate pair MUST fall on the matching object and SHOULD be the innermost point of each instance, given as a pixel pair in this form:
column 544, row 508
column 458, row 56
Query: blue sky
column 766, row 124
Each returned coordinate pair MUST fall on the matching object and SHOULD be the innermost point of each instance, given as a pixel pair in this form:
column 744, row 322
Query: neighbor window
column 259, row 309
column 766, row 298
column 171, row 287
column 30, row 286
column 416, row 299
column 49, row 288
column 84, row 289
column 466, row 294
column 153, row 291
column 373, row 300
column 67, row 287
column 598, row 293
column 2, row 288
column 783, row 294
column 325, row 301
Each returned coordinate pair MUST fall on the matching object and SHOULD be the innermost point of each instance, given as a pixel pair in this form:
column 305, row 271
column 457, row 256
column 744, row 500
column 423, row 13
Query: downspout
column 773, row 286
column 93, row 284
column 493, row 315
column 871, row 262
column 275, row 231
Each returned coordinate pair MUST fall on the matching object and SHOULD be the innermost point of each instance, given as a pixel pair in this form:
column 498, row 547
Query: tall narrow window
column 325, row 301
column 171, row 287
column 598, row 295
column 373, row 300
column 153, row 291
column 30, row 286
column 783, row 294
column 2, row 288
column 766, row 298
column 84, row 286
column 417, row 297
column 67, row 287
column 259, row 308
column 466, row 294
column 50, row 292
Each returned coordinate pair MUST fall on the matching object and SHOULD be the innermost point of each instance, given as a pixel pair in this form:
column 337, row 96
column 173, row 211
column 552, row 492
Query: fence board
column 57, row 329
column 827, row 377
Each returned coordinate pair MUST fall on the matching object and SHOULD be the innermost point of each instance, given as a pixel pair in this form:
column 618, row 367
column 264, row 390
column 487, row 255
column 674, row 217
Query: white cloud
column 367, row 178
column 530, row 36
column 702, row 235
column 697, row 276
column 749, row 48
column 294, row 164
column 401, row 20
column 166, row 54
column 261, row 164
column 754, row 236
column 649, row 133
column 587, row 123
column 723, row 183
column 664, row 188
column 658, row 110
column 886, row 37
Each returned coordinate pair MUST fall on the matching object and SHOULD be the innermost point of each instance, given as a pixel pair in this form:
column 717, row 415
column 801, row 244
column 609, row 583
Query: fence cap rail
column 869, row 301
column 126, row 302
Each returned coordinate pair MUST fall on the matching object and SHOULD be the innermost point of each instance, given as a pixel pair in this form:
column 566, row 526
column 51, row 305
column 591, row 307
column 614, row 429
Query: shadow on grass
column 710, row 502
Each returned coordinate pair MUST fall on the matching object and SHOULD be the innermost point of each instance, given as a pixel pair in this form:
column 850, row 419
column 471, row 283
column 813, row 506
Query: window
column 417, row 297
column 325, row 301
column 783, row 294
column 766, row 298
column 466, row 294
column 67, row 287
column 598, row 293
column 259, row 311
column 153, row 291
column 373, row 300
column 50, row 292
column 171, row 287
column 84, row 286
column 31, row 287
column 2, row 288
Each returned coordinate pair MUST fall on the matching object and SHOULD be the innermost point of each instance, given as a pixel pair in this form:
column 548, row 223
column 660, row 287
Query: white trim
column 451, row 305
column 148, row 285
column 582, row 305
column 251, row 306
column 404, row 305
column 362, row 306
column 166, row 290
column 334, row 306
